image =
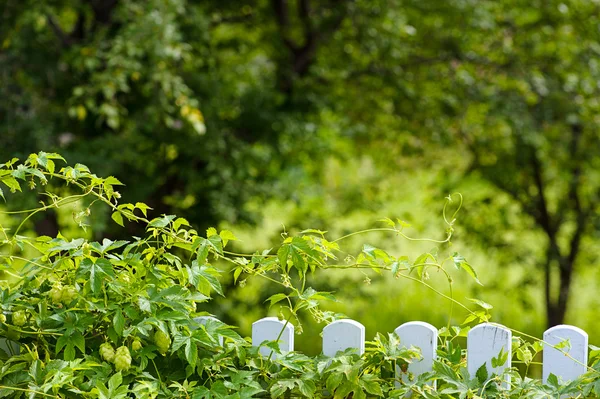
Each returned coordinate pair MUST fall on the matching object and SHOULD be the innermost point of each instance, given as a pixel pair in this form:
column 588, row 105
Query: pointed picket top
column 269, row 329
column 343, row 334
column 423, row 336
column 205, row 319
column 484, row 343
column 571, row 340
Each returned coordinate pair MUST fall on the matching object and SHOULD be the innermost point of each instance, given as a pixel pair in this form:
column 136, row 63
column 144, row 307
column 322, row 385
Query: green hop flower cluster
column 162, row 341
column 136, row 345
column 2, row 318
column 69, row 293
column 60, row 294
column 122, row 358
column 107, row 352
column 56, row 293
column 19, row 318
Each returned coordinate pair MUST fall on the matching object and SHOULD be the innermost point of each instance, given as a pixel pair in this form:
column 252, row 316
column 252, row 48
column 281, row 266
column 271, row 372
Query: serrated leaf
column 480, row 303
column 460, row 262
column 142, row 207
column 191, row 352
column 161, row 222
column 119, row 323
column 118, row 218
column 115, row 381
column 211, row 231
column 276, row 298
column 388, row 221
column 227, row 236
column 482, row 374
column 96, row 272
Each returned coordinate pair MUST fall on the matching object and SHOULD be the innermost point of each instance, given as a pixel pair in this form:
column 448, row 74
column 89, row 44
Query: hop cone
column 122, row 358
column 162, row 341
column 107, row 352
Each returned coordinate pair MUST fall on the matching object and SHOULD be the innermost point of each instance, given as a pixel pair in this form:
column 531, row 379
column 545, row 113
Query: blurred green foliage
column 333, row 113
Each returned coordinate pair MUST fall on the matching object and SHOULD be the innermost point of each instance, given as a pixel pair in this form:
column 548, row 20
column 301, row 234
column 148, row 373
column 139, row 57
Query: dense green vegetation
column 332, row 114
column 118, row 319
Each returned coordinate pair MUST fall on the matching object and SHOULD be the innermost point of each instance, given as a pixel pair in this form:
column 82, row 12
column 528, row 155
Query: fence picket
column 555, row 361
column 484, row 342
column 420, row 335
column 343, row 334
column 269, row 329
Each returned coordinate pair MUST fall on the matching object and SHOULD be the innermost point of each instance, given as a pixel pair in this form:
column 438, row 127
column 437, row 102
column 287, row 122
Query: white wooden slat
column 423, row 336
column 269, row 329
column 485, row 342
column 555, row 360
column 343, row 334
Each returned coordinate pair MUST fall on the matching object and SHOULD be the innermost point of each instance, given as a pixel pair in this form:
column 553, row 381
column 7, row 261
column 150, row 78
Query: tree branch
column 65, row 39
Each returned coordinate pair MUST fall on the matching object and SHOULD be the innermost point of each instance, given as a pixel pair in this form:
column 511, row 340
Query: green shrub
column 116, row 319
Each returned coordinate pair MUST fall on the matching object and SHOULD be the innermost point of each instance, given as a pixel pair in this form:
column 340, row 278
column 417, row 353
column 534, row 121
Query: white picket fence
column 484, row 342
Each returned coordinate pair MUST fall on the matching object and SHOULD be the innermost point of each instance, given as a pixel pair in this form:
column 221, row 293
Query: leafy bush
column 118, row 319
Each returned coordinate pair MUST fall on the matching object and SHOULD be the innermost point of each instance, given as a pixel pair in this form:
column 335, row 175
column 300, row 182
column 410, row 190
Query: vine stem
column 28, row 390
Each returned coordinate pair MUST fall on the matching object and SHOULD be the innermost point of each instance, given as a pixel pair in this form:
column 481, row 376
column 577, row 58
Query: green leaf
column 191, row 352
column 297, row 249
column 50, row 166
column 500, row 359
column 142, row 207
column 119, row 323
column 180, row 222
column 482, row 374
column 96, row 272
column 161, row 222
column 372, row 387
column 211, row 231
column 103, row 392
column 282, row 254
column 388, row 221
column 118, row 218
column 113, row 181
column 480, row 303
column 276, row 298
column 461, row 263
column 307, row 387
column 78, row 341
column 115, row 381
column 12, row 183
column 333, row 381
column 227, row 236
column 36, row 371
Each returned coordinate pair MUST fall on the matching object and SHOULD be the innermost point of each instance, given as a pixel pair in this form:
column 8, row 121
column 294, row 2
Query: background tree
column 331, row 110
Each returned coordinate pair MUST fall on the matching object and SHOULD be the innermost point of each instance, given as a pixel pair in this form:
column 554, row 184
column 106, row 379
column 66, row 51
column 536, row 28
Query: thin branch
column 62, row 36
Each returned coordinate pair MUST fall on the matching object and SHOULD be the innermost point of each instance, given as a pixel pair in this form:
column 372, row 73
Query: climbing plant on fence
column 119, row 319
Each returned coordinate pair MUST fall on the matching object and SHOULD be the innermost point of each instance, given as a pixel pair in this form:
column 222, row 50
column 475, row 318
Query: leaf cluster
column 124, row 319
